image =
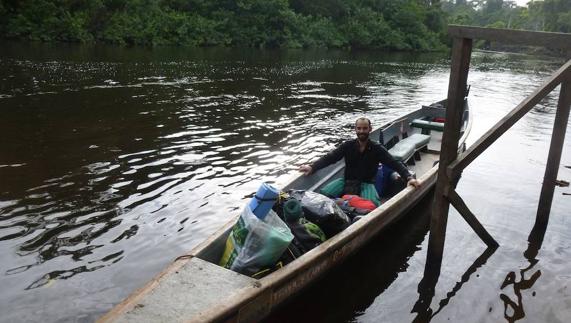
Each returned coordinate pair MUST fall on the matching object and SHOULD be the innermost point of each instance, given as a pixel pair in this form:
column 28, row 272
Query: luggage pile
column 277, row 227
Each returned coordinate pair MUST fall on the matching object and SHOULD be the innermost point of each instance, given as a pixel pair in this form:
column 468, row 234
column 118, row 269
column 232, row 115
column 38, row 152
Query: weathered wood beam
column 461, row 54
column 511, row 36
column 463, row 209
column 508, row 121
column 555, row 150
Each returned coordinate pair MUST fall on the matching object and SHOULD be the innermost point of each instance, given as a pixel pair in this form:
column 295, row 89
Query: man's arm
column 331, row 157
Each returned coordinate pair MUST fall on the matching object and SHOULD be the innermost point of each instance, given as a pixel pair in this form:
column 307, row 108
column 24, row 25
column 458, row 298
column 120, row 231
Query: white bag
column 255, row 244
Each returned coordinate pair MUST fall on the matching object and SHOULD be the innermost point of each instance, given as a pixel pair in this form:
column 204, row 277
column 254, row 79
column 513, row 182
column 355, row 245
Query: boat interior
column 413, row 139
column 200, row 289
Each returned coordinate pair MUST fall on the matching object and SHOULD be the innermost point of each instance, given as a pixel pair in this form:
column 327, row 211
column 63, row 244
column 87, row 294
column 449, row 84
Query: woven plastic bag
column 254, row 244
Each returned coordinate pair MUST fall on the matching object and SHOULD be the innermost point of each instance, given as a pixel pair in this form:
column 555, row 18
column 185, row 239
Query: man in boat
column 362, row 158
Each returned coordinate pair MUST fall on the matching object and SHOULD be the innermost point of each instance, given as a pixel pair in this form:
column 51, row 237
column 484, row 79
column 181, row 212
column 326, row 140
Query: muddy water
column 115, row 161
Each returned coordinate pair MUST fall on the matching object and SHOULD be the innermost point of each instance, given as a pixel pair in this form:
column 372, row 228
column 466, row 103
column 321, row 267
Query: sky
column 522, row 3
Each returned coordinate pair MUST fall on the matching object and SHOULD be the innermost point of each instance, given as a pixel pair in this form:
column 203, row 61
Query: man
column 362, row 158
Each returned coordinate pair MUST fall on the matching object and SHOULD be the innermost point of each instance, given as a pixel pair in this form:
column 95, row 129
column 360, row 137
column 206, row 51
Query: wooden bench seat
column 428, row 125
column 405, row 149
column 402, row 151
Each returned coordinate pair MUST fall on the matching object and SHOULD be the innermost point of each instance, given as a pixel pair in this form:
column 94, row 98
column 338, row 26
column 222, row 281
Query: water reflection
column 513, row 309
column 110, row 157
column 426, row 287
column 115, row 160
column 345, row 293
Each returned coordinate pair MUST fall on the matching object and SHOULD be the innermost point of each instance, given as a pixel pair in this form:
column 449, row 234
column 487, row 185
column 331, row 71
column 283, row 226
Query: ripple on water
column 108, row 218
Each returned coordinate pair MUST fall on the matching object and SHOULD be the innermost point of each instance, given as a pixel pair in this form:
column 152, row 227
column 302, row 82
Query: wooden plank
column 172, row 301
column 463, row 209
column 511, row 36
column 461, row 53
column 555, row 150
column 130, row 302
column 508, row 121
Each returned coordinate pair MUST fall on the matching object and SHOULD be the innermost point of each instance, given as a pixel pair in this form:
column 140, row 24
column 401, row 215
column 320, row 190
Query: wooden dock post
column 452, row 164
column 461, row 54
column 555, row 150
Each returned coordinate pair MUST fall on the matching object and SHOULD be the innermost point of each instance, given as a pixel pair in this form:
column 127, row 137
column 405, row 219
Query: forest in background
column 415, row 25
column 548, row 15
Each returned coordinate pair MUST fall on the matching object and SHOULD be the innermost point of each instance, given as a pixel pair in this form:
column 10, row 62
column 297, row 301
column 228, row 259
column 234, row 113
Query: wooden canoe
column 195, row 289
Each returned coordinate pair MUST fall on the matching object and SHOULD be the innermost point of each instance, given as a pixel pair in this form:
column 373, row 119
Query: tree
column 387, row 24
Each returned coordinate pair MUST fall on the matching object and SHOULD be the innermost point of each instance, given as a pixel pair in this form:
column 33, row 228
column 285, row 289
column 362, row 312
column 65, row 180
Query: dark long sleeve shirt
column 361, row 165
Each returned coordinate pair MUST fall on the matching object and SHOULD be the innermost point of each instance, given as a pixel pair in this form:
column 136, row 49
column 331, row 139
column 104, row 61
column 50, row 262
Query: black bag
column 352, row 187
column 292, row 253
column 322, row 211
column 306, row 234
column 353, row 212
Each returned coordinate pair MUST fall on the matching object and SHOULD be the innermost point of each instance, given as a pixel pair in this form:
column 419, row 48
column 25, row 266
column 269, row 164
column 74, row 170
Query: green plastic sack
column 254, row 244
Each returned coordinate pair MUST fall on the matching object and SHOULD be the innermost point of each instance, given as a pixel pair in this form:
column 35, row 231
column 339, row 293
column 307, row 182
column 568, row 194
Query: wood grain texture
column 555, row 150
column 513, row 37
column 461, row 53
column 471, row 219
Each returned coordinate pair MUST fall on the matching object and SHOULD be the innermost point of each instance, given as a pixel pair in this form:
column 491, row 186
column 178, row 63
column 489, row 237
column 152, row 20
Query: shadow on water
column 426, row 288
column 117, row 158
column 348, row 290
column 513, row 310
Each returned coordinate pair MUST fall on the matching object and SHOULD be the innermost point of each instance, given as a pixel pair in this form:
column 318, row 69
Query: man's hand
column 305, row 169
column 413, row 182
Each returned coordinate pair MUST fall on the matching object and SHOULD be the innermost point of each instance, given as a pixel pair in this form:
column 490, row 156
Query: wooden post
column 465, row 212
column 555, row 149
column 450, row 165
column 461, row 53
column 535, row 240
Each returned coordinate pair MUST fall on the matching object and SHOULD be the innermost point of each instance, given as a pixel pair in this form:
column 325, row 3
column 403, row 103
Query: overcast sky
column 522, row 3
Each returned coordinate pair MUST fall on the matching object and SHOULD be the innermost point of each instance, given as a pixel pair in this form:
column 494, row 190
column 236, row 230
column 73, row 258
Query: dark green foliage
column 384, row 24
column 367, row 28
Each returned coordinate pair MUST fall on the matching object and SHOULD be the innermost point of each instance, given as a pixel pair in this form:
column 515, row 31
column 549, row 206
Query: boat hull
column 210, row 293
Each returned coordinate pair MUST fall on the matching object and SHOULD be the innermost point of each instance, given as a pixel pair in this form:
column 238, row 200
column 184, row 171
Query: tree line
column 384, row 24
column 546, row 15
column 418, row 25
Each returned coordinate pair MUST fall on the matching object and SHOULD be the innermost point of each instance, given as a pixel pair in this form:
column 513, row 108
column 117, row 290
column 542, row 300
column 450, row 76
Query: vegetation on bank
column 547, row 15
column 385, row 24
column 418, row 25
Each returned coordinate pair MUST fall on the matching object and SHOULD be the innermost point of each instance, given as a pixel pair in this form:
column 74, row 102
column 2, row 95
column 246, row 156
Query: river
column 115, row 161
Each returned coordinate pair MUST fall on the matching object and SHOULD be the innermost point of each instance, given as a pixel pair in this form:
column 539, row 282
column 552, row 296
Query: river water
column 115, row 161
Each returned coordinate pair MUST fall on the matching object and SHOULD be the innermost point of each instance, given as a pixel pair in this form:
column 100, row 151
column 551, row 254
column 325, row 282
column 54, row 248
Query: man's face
column 362, row 129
